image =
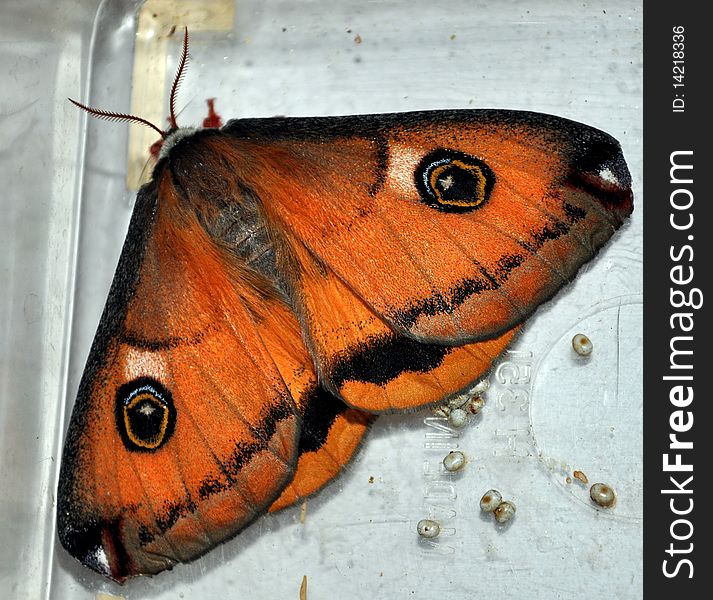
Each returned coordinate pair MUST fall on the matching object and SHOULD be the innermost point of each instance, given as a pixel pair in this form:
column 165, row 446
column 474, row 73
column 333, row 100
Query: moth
column 284, row 280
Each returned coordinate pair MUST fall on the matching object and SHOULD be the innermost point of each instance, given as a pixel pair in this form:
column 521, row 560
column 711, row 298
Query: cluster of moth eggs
column 459, row 409
column 601, row 494
column 454, row 461
column 492, row 502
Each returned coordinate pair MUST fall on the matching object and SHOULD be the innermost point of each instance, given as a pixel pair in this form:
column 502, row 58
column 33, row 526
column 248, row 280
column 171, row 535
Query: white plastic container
column 66, row 205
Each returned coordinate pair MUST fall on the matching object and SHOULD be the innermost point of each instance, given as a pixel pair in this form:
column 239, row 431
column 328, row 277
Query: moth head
column 173, row 133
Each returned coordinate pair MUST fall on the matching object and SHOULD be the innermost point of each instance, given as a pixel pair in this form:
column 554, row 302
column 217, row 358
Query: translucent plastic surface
column 549, row 412
column 43, row 52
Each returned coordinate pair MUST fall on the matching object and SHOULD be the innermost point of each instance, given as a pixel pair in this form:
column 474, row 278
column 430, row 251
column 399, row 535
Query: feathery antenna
column 116, row 116
column 177, row 80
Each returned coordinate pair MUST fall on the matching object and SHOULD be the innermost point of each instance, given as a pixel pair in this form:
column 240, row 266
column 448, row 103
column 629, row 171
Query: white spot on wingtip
column 608, row 176
column 101, row 560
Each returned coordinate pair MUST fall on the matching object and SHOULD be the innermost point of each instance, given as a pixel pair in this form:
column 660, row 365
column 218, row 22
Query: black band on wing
column 381, row 359
column 322, row 410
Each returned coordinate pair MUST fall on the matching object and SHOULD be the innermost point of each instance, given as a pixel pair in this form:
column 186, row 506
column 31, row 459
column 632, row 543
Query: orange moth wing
column 281, row 277
column 453, row 226
column 184, row 430
column 370, row 365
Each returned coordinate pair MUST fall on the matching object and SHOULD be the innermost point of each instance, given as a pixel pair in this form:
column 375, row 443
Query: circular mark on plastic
column 587, row 414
